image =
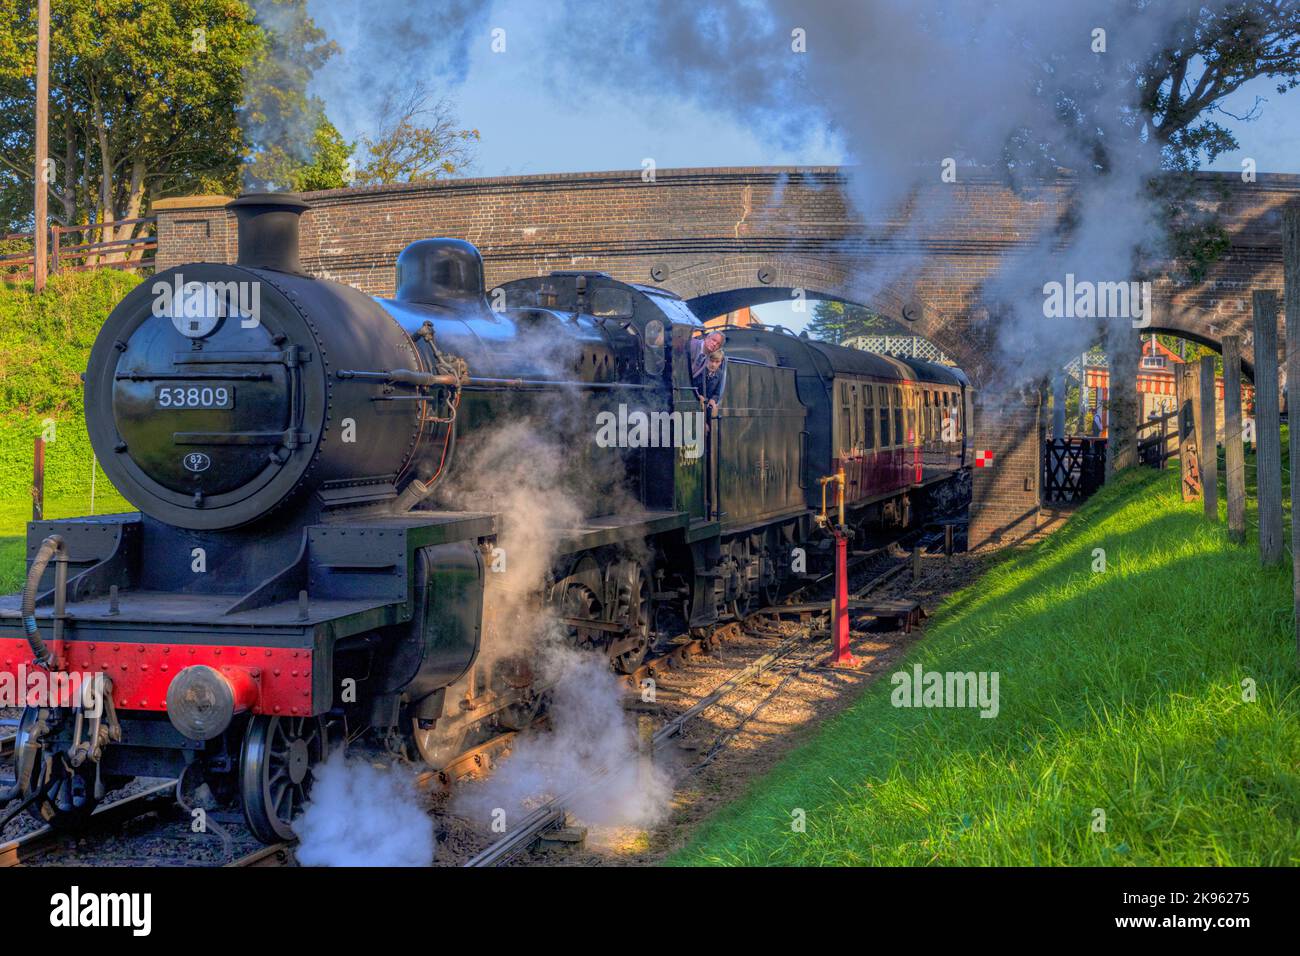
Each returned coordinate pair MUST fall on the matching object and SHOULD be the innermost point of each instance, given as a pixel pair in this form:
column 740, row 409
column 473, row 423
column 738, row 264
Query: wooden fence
column 1153, row 450
column 76, row 254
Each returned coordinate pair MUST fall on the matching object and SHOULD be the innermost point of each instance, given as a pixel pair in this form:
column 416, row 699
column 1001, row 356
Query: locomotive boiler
column 308, row 566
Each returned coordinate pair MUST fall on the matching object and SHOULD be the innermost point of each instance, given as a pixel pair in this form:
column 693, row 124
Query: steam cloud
column 530, row 471
column 362, row 815
column 593, row 749
column 378, row 48
column 1013, row 87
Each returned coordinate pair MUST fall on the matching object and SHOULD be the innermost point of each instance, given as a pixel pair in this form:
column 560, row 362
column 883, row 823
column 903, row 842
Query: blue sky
column 532, row 120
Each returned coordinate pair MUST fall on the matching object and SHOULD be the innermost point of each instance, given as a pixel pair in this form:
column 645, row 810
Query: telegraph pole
column 40, row 229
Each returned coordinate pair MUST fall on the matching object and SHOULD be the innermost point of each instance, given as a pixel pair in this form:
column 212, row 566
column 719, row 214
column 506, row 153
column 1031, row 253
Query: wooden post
column 1291, row 275
column 1058, row 404
column 1085, row 416
column 1189, row 412
column 41, row 224
column 1122, row 346
column 1268, row 430
column 1234, row 457
column 38, row 479
column 1208, row 443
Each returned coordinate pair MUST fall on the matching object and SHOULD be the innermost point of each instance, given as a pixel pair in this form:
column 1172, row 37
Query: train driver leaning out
column 708, row 369
column 715, row 376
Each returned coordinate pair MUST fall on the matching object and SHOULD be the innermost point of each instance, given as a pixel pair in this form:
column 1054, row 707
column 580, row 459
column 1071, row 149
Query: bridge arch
column 715, row 288
column 710, row 232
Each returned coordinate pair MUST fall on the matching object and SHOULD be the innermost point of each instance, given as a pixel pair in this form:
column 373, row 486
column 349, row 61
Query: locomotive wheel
column 276, row 764
column 580, row 600
column 744, row 599
column 635, row 614
column 581, row 604
column 769, row 593
column 71, row 794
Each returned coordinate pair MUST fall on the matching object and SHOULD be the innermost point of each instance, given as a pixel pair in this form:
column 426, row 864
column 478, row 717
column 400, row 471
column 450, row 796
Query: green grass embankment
column 44, row 343
column 1148, row 714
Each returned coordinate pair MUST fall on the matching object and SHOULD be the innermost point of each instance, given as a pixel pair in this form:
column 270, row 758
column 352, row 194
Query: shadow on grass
column 1121, row 693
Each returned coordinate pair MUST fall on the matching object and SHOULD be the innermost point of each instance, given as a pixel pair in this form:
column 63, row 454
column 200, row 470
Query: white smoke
column 363, row 815
column 1017, row 89
column 593, row 750
column 532, row 470
column 518, row 472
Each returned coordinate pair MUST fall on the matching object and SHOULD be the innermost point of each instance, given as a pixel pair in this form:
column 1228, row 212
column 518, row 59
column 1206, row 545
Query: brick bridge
column 723, row 238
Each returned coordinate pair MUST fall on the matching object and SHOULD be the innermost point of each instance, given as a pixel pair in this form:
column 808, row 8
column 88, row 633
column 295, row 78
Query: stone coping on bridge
column 174, row 203
column 1287, row 182
column 730, row 236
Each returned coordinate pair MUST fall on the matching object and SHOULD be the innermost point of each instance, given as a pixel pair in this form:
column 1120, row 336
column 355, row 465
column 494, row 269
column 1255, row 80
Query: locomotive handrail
column 472, row 383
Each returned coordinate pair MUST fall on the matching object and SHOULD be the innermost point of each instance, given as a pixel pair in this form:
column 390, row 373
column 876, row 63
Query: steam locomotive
column 308, row 564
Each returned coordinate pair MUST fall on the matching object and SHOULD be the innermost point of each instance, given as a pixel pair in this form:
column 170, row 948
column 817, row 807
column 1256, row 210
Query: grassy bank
column 44, row 343
column 1148, row 714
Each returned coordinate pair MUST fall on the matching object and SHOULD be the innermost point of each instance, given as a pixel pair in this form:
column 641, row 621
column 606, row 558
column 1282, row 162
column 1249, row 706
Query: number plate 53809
column 195, row 396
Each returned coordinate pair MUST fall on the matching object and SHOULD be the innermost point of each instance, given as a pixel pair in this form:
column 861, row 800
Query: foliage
column 329, row 167
column 417, row 140
column 836, row 321
column 45, row 339
column 143, row 103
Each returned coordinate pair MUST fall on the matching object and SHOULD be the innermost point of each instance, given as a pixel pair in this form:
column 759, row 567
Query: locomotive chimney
column 268, row 230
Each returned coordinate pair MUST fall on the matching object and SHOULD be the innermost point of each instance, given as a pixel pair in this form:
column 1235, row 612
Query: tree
column 417, row 140
column 836, row 321
column 329, row 167
column 157, row 99
column 284, row 125
column 143, row 101
column 1229, row 46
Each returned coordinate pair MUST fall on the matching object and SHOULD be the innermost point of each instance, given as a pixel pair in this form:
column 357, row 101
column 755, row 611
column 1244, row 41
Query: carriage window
column 846, row 421
column 853, row 436
column 884, row 417
column 868, row 417
column 898, row 417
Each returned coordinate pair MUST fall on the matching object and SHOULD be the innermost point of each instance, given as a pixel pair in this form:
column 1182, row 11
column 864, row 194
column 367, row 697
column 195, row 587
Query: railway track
column 479, row 759
column 551, row 814
column 26, row 848
column 473, row 762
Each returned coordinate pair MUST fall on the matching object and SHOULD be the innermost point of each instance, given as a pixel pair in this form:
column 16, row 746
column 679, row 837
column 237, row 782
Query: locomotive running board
column 323, row 549
column 611, row 529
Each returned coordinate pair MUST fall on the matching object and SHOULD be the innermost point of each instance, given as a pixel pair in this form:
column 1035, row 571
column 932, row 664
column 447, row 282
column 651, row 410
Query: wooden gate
column 1073, row 468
